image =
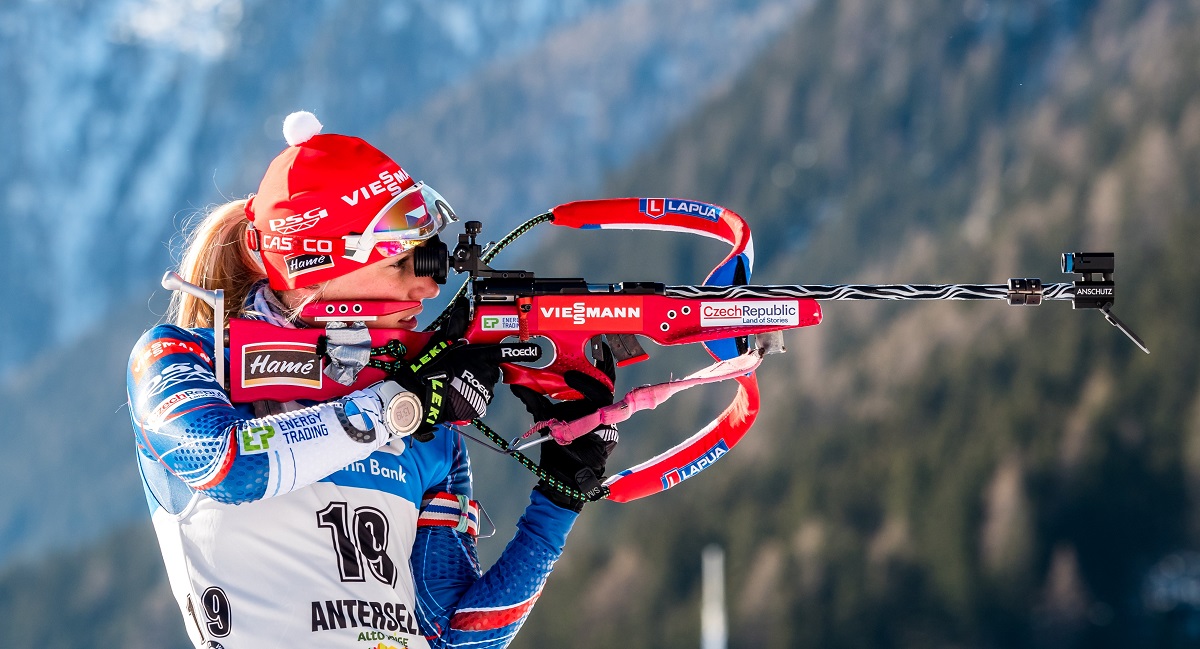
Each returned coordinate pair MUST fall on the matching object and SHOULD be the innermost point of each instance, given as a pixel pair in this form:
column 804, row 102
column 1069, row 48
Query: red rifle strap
column 712, row 442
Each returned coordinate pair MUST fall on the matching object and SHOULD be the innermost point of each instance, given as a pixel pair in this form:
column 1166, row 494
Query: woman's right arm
column 184, row 420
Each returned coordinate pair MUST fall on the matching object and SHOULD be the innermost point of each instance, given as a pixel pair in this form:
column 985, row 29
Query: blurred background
column 921, row 475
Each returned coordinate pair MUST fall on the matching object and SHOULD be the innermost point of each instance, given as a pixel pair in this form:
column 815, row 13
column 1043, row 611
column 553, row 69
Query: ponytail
column 216, row 257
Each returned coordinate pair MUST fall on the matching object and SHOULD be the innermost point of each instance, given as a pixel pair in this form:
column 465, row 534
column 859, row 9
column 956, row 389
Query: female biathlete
column 315, row 524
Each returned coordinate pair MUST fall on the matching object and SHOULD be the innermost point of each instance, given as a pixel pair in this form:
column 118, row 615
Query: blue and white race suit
column 286, row 525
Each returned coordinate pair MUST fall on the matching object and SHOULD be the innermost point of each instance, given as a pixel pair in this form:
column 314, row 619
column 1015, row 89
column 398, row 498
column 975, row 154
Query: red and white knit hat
column 331, row 204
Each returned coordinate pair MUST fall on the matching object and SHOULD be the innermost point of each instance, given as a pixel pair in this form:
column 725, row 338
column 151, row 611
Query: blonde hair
column 216, row 257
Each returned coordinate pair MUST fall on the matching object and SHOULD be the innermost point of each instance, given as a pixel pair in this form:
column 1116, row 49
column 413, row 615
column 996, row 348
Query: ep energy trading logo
column 500, row 323
column 733, row 313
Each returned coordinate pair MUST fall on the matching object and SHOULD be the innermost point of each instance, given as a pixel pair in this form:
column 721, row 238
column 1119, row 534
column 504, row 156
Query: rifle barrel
column 1060, row 291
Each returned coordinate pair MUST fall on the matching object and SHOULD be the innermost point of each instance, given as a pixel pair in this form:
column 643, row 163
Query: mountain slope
column 547, row 126
column 934, row 474
column 82, row 598
column 69, row 466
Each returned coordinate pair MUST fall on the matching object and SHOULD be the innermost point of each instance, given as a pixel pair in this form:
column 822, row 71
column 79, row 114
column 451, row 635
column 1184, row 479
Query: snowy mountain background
column 126, row 118
column 933, row 475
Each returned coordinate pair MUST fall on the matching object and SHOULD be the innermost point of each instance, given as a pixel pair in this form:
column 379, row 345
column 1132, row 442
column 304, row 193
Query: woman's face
column 387, row 279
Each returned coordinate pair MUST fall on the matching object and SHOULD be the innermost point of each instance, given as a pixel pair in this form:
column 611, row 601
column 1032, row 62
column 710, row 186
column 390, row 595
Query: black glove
column 580, row 464
column 455, row 380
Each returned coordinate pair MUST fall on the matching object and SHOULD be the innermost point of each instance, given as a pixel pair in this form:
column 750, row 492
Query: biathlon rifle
column 585, row 327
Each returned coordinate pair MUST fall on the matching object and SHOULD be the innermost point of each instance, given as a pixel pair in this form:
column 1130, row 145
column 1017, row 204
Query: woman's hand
column 580, row 464
column 455, row 381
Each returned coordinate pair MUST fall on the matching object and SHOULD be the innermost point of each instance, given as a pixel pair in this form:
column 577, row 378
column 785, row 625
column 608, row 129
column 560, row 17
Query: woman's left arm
column 458, row 606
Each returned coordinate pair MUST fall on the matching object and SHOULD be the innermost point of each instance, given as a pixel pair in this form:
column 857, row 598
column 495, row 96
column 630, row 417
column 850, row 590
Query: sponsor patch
column 390, row 472
column 523, row 353
column 613, row 314
column 295, row 429
column 257, row 439
column 355, row 423
column 289, row 244
column 655, row 208
column 164, row 347
column 389, row 183
column 177, row 373
column 675, row 476
column 182, row 398
column 750, row 313
column 281, row 363
column 377, row 620
column 300, row 264
column 374, row 467
column 286, row 430
column 298, row 222
column 500, row 323
column 357, row 418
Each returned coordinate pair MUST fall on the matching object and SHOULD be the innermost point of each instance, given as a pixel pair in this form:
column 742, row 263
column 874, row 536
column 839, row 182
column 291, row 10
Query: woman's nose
column 423, row 288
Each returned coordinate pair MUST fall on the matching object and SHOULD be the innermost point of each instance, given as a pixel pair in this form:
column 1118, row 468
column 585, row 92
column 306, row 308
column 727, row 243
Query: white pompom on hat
column 299, row 127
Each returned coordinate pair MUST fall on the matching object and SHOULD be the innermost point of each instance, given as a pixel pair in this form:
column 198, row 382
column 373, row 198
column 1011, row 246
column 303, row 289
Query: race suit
column 300, row 528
